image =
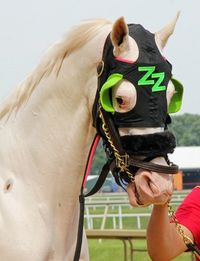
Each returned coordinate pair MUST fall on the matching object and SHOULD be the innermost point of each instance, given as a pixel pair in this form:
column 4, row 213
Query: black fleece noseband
column 149, row 145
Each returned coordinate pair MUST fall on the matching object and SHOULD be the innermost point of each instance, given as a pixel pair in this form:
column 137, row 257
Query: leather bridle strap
column 80, row 227
column 98, row 185
column 194, row 248
column 150, row 166
column 112, row 130
column 100, row 181
column 171, row 169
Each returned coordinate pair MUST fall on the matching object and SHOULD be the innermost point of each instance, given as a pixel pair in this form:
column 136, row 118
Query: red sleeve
column 188, row 214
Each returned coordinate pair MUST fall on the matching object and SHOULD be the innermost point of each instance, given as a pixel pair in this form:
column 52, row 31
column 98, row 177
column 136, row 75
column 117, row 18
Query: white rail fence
column 115, row 210
column 122, row 197
column 120, row 217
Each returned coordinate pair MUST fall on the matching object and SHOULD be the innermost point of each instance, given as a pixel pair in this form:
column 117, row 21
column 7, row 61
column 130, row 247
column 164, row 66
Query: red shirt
column 188, row 214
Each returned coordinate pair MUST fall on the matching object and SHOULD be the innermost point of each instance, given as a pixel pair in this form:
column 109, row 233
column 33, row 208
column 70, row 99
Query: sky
column 28, row 28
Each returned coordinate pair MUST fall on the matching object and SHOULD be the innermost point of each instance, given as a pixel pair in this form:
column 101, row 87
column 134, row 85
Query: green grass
column 109, row 250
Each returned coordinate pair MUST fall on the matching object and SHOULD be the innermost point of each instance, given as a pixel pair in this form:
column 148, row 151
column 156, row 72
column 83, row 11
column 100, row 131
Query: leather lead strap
column 97, row 186
column 193, row 247
column 173, row 169
column 80, row 227
column 99, row 183
column 113, row 132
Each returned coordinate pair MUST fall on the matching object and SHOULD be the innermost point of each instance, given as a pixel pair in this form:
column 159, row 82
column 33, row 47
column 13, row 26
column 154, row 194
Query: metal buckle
column 100, row 68
column 122, row 161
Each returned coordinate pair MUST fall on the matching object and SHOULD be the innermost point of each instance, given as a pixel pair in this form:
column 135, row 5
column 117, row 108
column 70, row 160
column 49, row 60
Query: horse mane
column 52, row 61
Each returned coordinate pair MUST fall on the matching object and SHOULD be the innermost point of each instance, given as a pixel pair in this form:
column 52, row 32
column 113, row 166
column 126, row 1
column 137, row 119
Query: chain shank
column 121, row 160
column 180, row 230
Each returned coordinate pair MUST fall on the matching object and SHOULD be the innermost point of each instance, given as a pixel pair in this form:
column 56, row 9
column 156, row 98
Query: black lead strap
column 194, row 248
column 82, row 196
column 80, row 227
column 97, row 186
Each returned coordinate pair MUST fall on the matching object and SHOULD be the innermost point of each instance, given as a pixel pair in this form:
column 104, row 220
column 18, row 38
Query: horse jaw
column 163, row 35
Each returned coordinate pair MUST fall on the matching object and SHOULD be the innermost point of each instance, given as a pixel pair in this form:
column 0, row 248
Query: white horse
column 45, row 136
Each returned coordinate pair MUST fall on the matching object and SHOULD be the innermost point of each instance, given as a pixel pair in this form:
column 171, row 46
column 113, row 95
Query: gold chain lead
column 180, row 230
column 121, row 160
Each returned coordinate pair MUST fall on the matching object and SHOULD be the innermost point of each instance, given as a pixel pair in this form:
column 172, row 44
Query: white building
column 188, row 160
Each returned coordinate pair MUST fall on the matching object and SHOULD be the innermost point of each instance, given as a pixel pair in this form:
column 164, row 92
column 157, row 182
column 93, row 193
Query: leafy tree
column 186, row 128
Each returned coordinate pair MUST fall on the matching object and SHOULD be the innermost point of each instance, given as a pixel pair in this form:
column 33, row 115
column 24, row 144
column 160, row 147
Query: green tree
column 186, row 128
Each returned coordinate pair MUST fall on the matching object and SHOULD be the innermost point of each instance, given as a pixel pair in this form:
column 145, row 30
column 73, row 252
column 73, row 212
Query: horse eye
column 119, row 100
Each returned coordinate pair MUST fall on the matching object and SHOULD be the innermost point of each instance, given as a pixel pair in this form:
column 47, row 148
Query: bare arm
column 163, row 240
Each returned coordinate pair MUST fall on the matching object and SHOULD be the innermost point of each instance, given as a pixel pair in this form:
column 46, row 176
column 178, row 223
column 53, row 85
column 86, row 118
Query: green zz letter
column 148, row 78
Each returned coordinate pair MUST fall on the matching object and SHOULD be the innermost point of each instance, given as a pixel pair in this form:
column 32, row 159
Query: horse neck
column 54, row 130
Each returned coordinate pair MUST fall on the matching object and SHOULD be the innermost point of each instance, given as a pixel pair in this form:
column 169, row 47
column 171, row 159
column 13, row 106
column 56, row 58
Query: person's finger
column 146, row 187
column 131, row 190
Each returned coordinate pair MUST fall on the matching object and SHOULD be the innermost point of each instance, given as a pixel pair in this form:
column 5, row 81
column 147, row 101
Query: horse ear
column 119, row 36
column 163, row 35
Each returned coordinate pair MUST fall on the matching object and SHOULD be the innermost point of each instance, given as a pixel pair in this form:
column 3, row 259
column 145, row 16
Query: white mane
column 52, row 62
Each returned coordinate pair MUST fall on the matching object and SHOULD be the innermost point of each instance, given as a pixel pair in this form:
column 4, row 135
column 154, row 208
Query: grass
column 109, row 250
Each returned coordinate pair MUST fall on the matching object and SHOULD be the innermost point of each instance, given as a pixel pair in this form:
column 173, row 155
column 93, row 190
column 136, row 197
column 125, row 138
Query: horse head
column 137, row 92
